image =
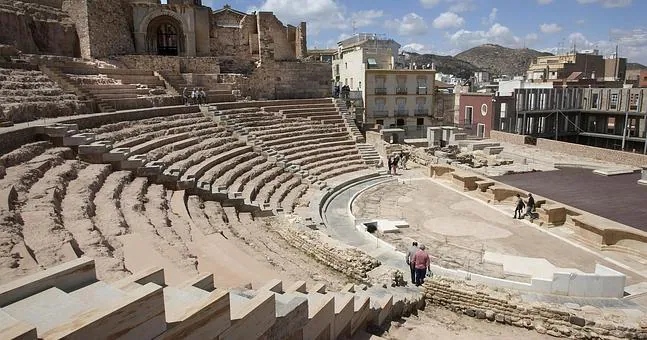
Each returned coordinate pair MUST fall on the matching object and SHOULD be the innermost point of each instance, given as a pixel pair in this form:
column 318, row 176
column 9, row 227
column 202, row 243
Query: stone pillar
column 643, row 177
column 301, row 41
column 189, row 47
column 447, row 133
column 434, row 135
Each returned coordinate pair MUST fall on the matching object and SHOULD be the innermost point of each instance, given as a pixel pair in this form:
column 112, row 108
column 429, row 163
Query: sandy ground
column 439, row 323
column 457, row 227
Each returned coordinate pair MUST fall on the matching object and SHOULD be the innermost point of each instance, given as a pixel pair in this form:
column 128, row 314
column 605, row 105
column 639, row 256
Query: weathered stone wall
column 302, row 43
column 291, row 80
column 15, row 138
column 110, row 33
column 104, row 27
column 36, row 29
column 169, row 64
column 606, row 155
column 507, row 308
column 51, row 3
column 511, row 138
column 349, row 261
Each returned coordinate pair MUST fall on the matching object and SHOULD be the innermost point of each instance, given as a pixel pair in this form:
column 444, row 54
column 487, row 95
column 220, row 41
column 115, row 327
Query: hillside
column 636, row 66
column 500, row 60
column 444, row 64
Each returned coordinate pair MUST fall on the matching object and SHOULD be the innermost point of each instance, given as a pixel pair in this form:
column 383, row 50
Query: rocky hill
column 500, row 60
column 444, row 64
column 636, row 66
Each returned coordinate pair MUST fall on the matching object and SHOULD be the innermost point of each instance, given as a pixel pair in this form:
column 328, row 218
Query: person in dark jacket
column 518, row 210
column 530, row 206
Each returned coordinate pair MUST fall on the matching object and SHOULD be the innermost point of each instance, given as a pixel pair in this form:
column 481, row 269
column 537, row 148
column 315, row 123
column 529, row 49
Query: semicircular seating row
column 58, row 203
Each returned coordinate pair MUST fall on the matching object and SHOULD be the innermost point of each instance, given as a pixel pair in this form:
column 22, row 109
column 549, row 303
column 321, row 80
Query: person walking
column 422, row 263
column 203, row 96
column 396, row 160
column 410, row 254
column 530, row 206
column 390, row 164
column 194, row 96
column 185, row 96
column 518, row 210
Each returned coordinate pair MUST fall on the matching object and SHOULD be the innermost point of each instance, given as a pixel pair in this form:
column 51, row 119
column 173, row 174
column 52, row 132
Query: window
column 422, row 85
column 504, row 107
column 351, row 83
column 401, row 87
column 594, row 101
column 372, row 63
column 468, row 115
column 346, row 64
column 380, row 104
column 484, row 109
column 399, row 122
column 614, row 101
column 401, row 105
column 420, row 121
column 633, row 101
column 379, row 121
column 420, row 104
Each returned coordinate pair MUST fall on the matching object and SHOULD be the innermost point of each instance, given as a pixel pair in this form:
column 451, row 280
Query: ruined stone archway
column 164, row 36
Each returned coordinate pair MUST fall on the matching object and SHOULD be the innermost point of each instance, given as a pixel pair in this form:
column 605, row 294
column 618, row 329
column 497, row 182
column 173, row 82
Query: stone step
column 47, row 309
column 99, row 293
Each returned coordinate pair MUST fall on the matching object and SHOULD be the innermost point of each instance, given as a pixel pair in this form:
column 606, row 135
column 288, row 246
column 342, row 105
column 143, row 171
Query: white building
column 361, row 52
column 507, row 87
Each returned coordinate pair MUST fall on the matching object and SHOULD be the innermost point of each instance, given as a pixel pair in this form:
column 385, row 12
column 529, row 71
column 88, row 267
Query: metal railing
column 380, row 91
column 421, row 90
column 421, row 112
column 401, row 112
column 380, row 113
column 401, row 90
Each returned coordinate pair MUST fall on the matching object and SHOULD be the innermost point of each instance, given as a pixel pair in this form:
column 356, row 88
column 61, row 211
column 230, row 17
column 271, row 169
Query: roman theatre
column 265, row 212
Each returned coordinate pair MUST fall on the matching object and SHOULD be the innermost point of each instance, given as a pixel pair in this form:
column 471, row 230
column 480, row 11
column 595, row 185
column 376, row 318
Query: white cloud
column 544, row 2
column 416, row 47
column 366, row 18
column 319, row 14
column 607, row 3
column 531, row 38
column 411, row 24
column 461, row 5
column 448, row 20
column 632, row 44
column 550, row 28
column 429, row 3
column 491, row 18
column 497, row 34
column 580, row 22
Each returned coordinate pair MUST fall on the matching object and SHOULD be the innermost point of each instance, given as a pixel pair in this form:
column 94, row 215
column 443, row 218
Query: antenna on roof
column 354, row 26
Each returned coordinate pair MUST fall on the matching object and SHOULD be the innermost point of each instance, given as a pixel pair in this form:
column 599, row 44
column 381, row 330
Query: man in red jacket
column 422, row 263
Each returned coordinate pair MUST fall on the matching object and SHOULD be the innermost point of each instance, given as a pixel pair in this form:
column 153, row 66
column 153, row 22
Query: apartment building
column 577, row 66
column 362, row 52
column 398, row 98
column 614, row 118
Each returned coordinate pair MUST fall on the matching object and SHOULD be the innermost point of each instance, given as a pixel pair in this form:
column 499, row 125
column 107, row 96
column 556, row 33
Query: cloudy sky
column 451, row 26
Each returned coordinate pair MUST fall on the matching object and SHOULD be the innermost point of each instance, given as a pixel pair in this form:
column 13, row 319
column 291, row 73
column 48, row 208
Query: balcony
column 421, row 112
column 401, row 112
column 401, row 90
column 380, row 113
column 421, row 90
column 380, row 91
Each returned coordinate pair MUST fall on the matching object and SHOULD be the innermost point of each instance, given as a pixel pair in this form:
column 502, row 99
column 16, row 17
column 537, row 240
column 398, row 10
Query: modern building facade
column 614, row 118
column 362, row 52
column 397, row 98
column 577, row 65
column 474, row 113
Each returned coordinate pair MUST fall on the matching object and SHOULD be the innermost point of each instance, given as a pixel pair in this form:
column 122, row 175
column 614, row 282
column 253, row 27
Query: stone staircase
column 64, row 81
column 67, row 301
column 349, row 121
column 369, row 154
column 219, row 92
